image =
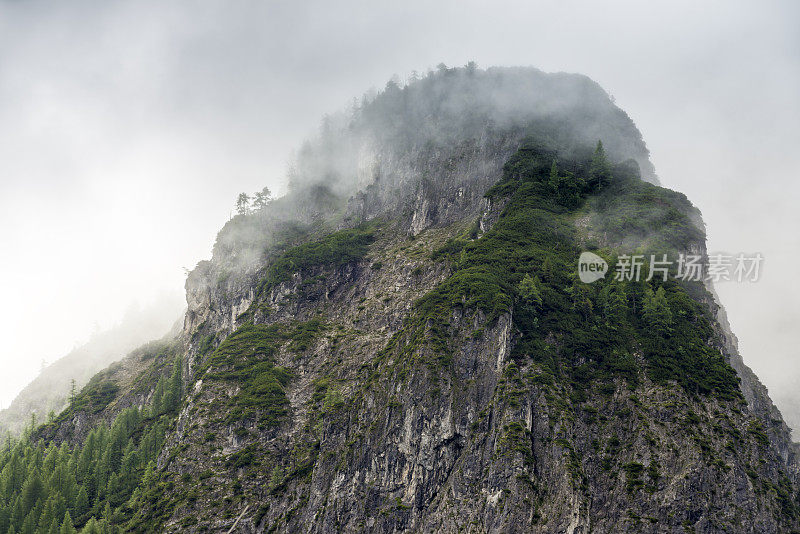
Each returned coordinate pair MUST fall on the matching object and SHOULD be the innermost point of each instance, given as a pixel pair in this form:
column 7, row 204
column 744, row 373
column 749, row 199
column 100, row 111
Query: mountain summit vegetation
column 402, row 344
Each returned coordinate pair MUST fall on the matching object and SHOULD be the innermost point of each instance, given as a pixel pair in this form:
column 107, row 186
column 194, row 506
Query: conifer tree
column 614, row 304
column 599, row 169
column 29, row 525
column 41, row 485
column 554, row 177
column 149, row 477
column 655, row 309
column 530, row 290
column 243, row 204
column 548, row 269
column 32, row 423
column 91, row 527
column 31, row 493
column 174, row 389
column 48, row 515
column 157, row 407
column 18, row 514
column 81, row 506
column 59, row 508
column 67, row 527
column 262, row 198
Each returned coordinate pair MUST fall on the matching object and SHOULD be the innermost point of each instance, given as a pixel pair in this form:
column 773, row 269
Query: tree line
column 93, row 486
column 247, row 204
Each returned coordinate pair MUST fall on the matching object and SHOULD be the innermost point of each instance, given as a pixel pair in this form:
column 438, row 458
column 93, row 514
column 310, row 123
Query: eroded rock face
column 350, row 416
column 481, row 447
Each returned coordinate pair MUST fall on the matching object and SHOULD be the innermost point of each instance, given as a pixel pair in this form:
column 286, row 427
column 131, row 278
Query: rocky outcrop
column 485, row 446
column 331, row 386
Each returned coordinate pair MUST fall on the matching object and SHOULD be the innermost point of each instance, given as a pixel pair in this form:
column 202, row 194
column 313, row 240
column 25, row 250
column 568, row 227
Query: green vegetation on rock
column 245, row 358
column 527, row 262
column 332, row 250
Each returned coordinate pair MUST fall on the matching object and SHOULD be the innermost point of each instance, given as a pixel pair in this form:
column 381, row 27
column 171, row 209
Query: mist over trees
column 60, row 381
column 373, row 144
column 376, row 160
column 247, row 204
column 449, row 105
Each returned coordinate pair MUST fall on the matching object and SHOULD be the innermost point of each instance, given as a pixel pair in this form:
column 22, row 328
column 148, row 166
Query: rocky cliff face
column 418, row 355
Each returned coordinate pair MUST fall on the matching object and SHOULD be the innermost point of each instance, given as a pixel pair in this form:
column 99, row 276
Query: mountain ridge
column 49, row 393
column 402, row 344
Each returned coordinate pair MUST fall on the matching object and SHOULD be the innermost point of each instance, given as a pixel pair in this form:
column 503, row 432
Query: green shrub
column 333, row 250
column 242, row 458
column 527, row 262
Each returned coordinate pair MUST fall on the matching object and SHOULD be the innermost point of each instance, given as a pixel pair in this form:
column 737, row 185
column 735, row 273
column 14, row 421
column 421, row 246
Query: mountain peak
column 404, row 343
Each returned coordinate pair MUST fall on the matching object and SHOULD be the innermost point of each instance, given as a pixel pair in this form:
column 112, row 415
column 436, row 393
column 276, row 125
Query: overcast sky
column 128, row 128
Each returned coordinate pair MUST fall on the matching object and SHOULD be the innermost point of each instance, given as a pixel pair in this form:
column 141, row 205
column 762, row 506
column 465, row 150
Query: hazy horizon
column 128, row 129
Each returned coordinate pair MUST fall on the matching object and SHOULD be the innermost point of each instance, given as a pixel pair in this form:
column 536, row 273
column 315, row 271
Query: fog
column 127, row 130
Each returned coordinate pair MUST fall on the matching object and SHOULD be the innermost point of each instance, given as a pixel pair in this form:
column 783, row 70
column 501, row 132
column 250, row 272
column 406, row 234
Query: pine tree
column 262, row 198
column 157, row 406
column 656, row 311
column 599, row 169
column 136, row 495
column 50, row 460
column 548, row 269
column 29, row 525
column 87, row 456
column 173, row 396
column 130, row 462
column 91, row 527
column 614, row 304
column 31, row 493
column 554, row 177
column 59, row 509
column 243, row 204
column 33, row 422
column 581, row 298
column 81, row 506
column 18, row 513
column 70, row 488
column 114, row 489
column 530, row 290
column 67, row 527
column 48, row 515
column 149, row 478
